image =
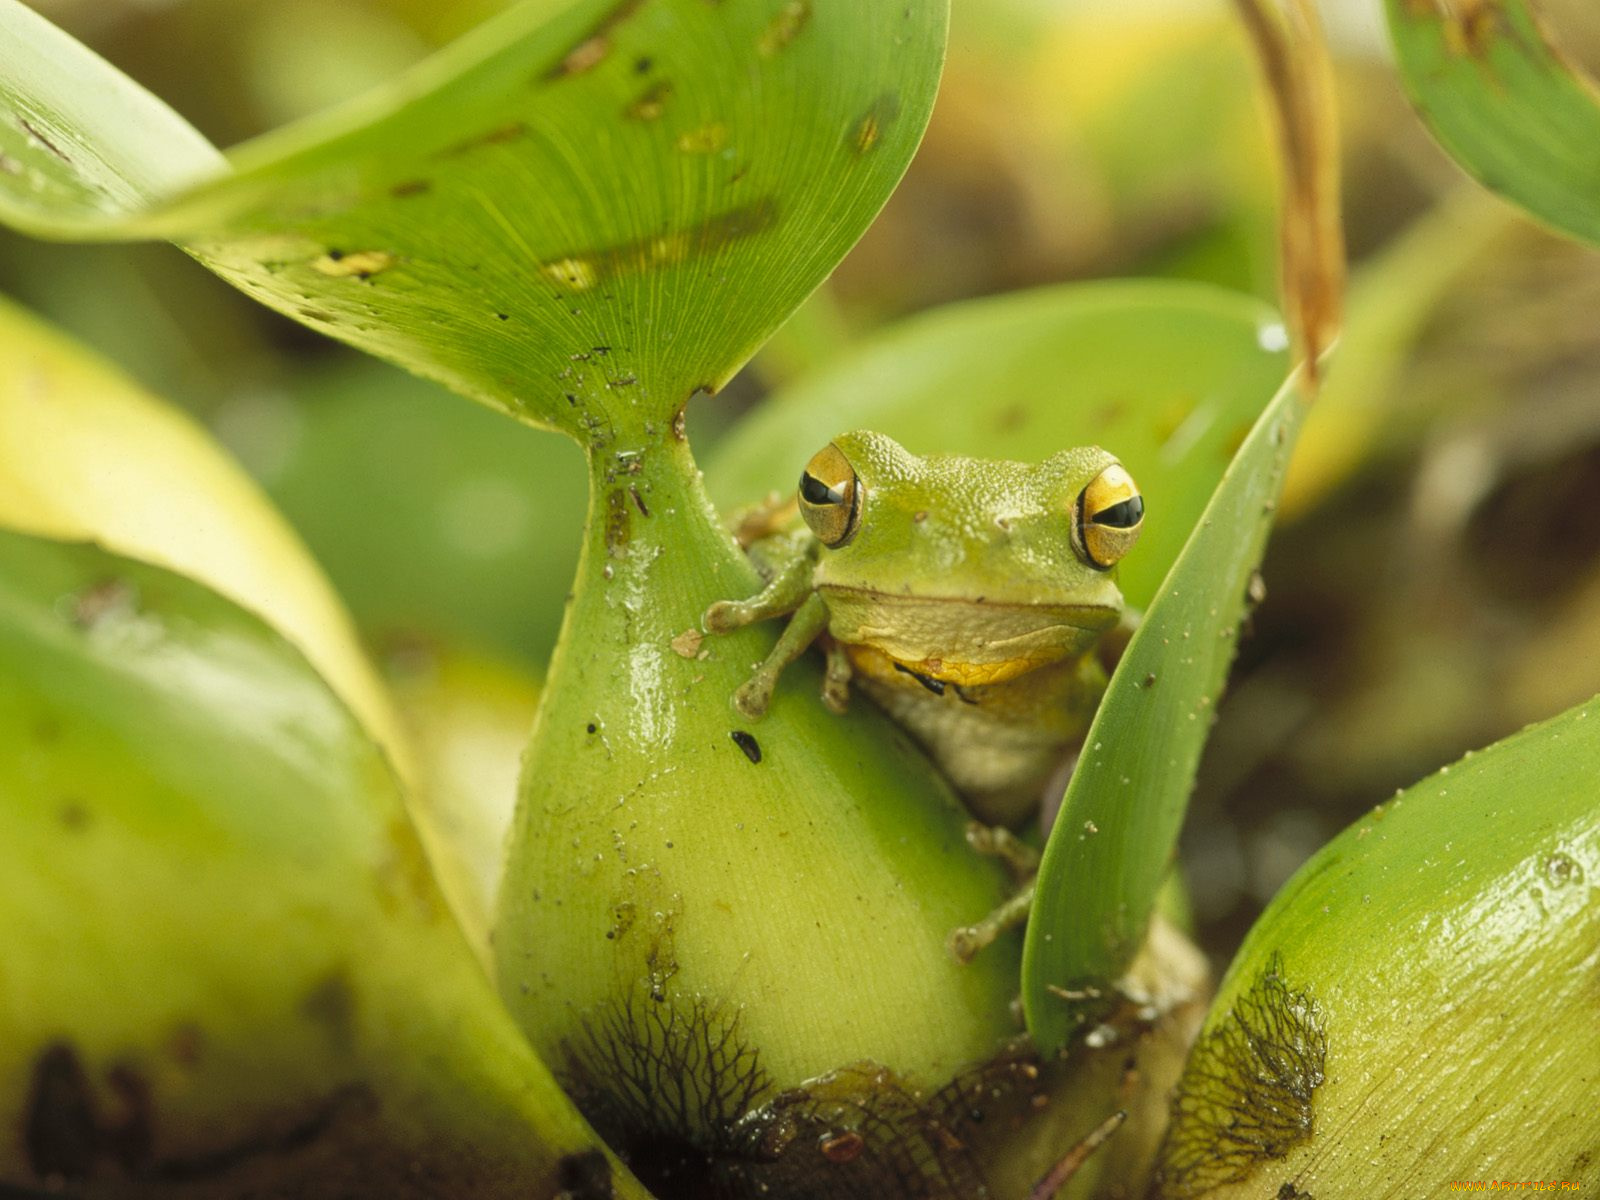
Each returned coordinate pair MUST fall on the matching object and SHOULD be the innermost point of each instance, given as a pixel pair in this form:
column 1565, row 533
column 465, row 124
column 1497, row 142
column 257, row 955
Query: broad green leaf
column 1507, row 106
column 86, row 453
column 1114, row 838
column 226, row 963
column 1418, row 1002
column 579, row 220
column 1167, row 376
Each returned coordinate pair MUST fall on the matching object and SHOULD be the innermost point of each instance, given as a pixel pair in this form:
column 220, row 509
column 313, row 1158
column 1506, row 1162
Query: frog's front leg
column 807, row 624
column 966, row 941
column 789, row 563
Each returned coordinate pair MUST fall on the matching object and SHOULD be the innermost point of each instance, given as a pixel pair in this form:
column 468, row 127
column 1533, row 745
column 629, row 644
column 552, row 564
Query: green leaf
column 1113, row 840
column 217, row 924
column 580, row 220
column 1167, row 376
column 1505, row 104
column 86, row 454
column 1449, row 936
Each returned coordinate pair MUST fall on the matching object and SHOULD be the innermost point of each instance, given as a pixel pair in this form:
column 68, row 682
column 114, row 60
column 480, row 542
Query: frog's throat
column 962, row 641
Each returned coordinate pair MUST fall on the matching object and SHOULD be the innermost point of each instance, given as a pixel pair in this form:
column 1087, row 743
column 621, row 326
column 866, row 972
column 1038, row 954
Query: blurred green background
column 1435, row 582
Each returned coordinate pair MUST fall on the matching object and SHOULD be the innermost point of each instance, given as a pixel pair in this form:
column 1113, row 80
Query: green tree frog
column 969, row 598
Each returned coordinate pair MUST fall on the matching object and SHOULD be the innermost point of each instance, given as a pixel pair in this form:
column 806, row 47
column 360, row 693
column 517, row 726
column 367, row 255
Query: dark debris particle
column 751, row 747
column 591, row 727
column 584, row 1176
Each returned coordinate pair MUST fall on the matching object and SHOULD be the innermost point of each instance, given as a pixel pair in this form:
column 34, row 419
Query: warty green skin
column 966, row 608
column 226, row 968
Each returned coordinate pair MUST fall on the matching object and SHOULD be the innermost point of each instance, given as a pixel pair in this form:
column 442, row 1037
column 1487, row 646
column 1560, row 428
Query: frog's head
column 968, row 570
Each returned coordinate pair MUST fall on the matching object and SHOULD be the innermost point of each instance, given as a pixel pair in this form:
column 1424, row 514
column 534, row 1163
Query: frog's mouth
column 965, row 641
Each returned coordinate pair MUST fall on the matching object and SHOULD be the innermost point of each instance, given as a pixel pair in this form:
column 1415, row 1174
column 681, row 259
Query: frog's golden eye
column 1109, row 517
column 830, row 496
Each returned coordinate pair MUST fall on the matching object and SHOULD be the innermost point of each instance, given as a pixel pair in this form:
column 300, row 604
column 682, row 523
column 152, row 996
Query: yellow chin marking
column 872, row 662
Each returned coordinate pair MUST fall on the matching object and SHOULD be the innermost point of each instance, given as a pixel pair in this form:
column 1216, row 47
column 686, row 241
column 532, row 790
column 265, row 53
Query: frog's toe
column 836, row 695
column 754, row 697
column 965, row 941
column 722, row 617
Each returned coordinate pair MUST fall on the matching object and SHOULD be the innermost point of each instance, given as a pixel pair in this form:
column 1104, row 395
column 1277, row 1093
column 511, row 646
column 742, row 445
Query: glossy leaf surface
column 1507, row 106
column 1382, row 977
column 217, row 924
column 86, row 453
column 571, row 219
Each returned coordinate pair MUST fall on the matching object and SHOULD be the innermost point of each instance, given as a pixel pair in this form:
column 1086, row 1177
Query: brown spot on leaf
column 128, row 1135
column 869, row 127
column 410, row 187
column 277, row 1138
column 187, row 1045
column 101, row 600
column 38, row 138
column 649, row 104
column 61, row 1133
column 359, row 264
column 1247, row 1096
column 706, row 139
column 784, row 27
column 687, row 643
column 595, row 44
column 619, row 526
column 331, row 1004
column 584, row 1176
column 500, row 135
column 581, row 270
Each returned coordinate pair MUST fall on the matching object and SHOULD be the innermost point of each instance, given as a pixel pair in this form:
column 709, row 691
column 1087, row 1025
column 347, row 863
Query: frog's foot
column 754, row 696
column 996, row 841
column 965, row 941
column 727, row 615
column 836, row 681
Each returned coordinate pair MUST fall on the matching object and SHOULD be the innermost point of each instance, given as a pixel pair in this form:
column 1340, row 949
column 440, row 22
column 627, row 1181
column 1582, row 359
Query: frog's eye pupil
column 1123, row 515
column 830, row 497
column 814, row 491
column 1110, row 513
